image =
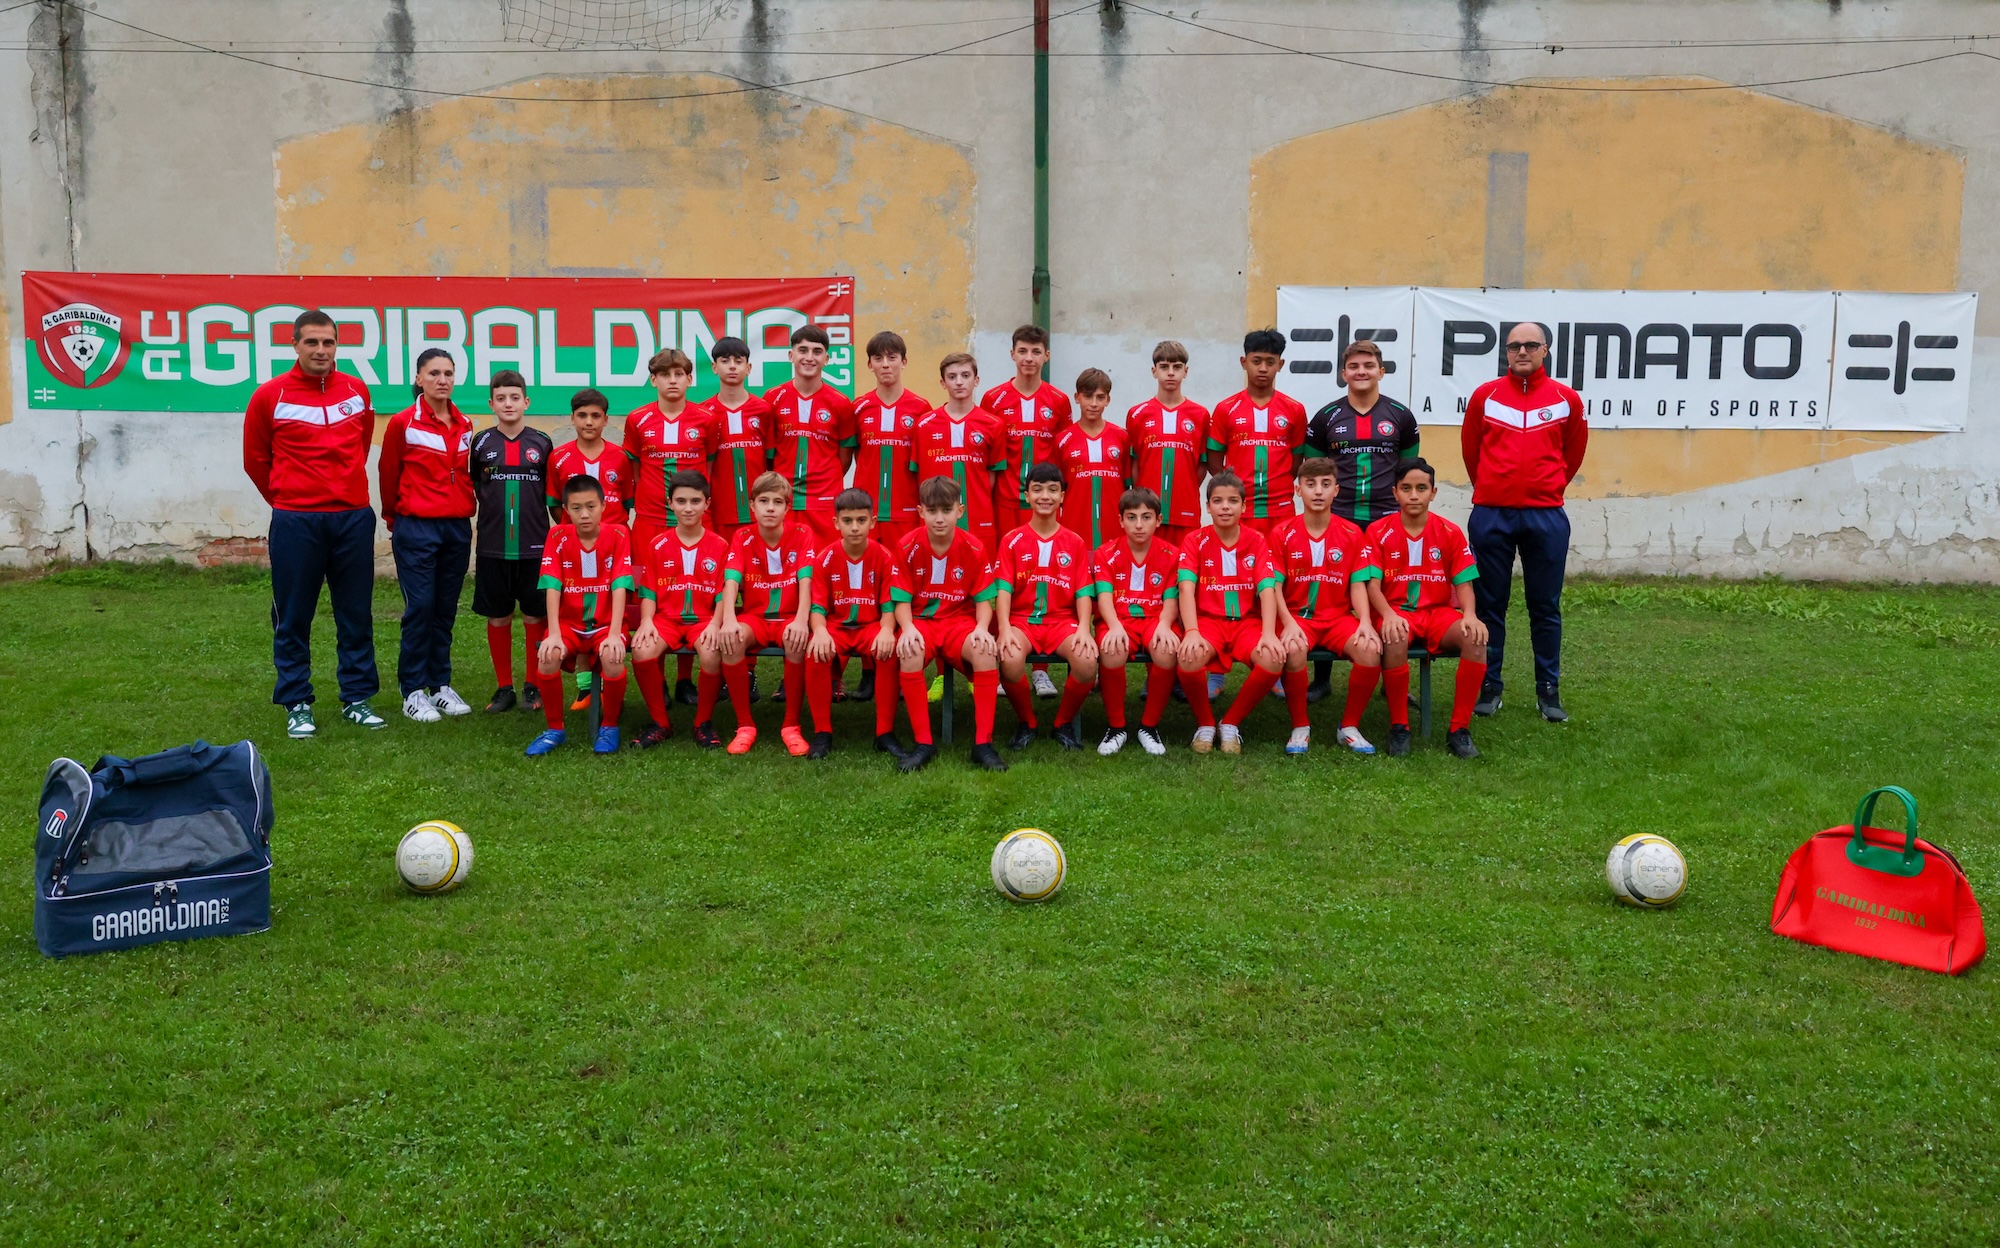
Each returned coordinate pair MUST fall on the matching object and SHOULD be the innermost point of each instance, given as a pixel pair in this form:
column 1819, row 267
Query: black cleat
column 822, row 745
column 778, row 694
column 865, row 691
column 655, row 734
column 1550, row 704
column 1459, row 742
column 686, row 694
column 1066, row 737
column 1488, row 704
column 1023, row 737
column 1318, row 689
column 888, row 744
column 501, row 701
column 840, row 693
column 1398, row 743
column 531, row 698
column 986, row 756
column 707, row 737
column 918, row 758
column 1179, row 694
column 754, row 694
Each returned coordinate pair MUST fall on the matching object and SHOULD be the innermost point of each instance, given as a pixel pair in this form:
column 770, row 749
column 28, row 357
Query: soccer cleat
column 795, row 740
column 1398, row 743
column 502, row 700
column 1550, row 704
column 984, row 755
column 745, row 737
column 754, row 692
column 607, row 740
column 686, row 694
column 1149, row 741
column 655, row 734
column 707, row 737
column 531, row 698
column 1023, row 737
column 447, row 701
column 1045, row 685
column 917, row 758
column 582, row 702
column 888, row 744
column 299, row 723
column 1489, row 702
column 549, row 739
column 419, row 707
column 1204, row 740
column 937, row 688
column 1232, row 739
column 1300, row 741
column 1318, row 689
column 362, row 715
column 865, row 691
column 822, row 745
column 1066, row 737
column 1353, row 740
column 1215, row 682
column 839, row 693
column 1459, row 742
column 778, row 694
column 1114, row 741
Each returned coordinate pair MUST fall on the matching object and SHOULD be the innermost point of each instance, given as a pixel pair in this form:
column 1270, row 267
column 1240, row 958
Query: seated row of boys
column 1227, row 596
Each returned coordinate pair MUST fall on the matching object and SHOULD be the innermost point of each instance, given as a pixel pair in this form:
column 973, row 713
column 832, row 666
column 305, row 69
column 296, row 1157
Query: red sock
column 706, row 690
column 885, row 702
column 1258, row 683
column 916, row 696
column 1465, row 691
column 536, row 632
column 553, row 701
column 1159, row 687
column 1396, row 688
column 738, row 677
column 1296, row 684
column 1043, row 668
column 613, row 697
column 795, row 679
column 1195, row 685
column 684, row 669
column 1111, row 685
column 1022, row 700
column 500, row 645
column 1073, row 693
column 985, row 693
column 819, row 694
column 1361, row 682
column 647, row 673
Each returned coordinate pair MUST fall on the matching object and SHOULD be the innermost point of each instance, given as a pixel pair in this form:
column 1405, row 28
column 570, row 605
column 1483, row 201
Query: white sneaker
column 1232, row 739
column 446, row 699
column 1353, row 740
column 418, row 706
column 1300, row 742
column 1204, row 740
column 1149, row 741
column 1045, row 686
column 1114, row 741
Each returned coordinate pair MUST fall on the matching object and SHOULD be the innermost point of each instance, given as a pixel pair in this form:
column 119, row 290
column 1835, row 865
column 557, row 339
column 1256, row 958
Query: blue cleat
column 547, row 742
column 607, row 740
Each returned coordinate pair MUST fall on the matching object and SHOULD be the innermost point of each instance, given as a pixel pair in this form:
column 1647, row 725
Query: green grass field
column 687, row 998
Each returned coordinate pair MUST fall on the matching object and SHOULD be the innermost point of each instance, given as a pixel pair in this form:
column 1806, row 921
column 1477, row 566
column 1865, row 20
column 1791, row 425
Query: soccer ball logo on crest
column 82, row 344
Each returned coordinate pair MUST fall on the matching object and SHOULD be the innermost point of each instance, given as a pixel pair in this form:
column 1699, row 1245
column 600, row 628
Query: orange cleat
column 795, row 740
column 746, row 736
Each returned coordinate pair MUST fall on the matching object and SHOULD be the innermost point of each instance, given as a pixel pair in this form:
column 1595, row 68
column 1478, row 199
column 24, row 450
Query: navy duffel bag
column 171, row 846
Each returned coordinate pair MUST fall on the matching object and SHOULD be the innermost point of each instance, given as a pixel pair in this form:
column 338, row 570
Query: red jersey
column 1258, row 445
column 306, row 440
column 1421, row 571
column 660, row 448
column 684, row 580
column 1033, row 423
column 885, row 465
column 586, row 577
column 807, row 442
column 1135, row 589
column 1045, row 575
column 1522, row 443
column 1317, row 571
column 1167, row 445
column 1227, row 579
column 612, row 469
column 852, row 592
column 1093, row 477
column 740, row 439
column 943, row 587
column 426, row 465
column 969, row 451
column 770, row 575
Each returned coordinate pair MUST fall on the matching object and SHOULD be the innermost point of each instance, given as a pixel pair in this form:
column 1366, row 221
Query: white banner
column 1659, row 359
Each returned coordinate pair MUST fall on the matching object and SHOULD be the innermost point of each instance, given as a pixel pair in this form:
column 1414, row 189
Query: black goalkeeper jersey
column 1364, row 450
column 510, row 476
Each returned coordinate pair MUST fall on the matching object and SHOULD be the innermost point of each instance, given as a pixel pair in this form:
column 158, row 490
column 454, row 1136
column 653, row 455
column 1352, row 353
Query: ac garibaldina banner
column 196, row 343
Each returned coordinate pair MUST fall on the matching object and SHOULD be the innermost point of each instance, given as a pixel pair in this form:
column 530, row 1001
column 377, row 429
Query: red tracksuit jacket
column 426, row 465
column 305, row 441
column 1523, row 442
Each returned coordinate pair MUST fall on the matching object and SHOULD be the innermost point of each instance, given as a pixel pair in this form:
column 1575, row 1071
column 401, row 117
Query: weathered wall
column 1192, row 173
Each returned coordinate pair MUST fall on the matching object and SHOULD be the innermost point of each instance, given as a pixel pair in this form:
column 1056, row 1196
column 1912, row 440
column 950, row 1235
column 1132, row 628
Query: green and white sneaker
column 299, row 723
column 362, row 715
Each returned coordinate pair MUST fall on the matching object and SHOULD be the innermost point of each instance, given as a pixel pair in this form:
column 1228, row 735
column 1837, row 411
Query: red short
column 580, row 645
column 820, row 524
column 1332, row 634
column 765, row 631
column 989, row 537
column 1043, row 638
column 1264, row 524
column 678, row 635
column 1177, row 534
column 853, row 643
column 1428, row 625
column 892, row 532
column 1235, row 641
column 945, row 639
column 1007, row 517
column 728, row 532
column 1141, row 632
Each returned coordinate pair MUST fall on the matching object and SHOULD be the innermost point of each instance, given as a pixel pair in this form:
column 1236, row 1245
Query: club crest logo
column 1386, row 428
column 534, row 456
column 825, row 418
column 1062, row 561
column 1336, row 554
column 909, row 422
column 82, row 344
column 1436, row 553
column 978, row 439
column 708, row 565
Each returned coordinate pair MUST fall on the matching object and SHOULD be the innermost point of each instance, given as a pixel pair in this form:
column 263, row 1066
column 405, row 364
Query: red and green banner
column 183, row 342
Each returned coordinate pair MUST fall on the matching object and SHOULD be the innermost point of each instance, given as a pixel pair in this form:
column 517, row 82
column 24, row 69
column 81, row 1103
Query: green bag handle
column 1882, row 858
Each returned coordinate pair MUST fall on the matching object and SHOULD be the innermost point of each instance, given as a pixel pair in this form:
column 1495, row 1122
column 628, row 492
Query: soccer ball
column 434, row 857
column 1646, row 871
column 1028, row 865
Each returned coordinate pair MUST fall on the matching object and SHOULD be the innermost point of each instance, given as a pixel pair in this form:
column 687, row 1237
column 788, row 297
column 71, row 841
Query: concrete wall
column 1193, row 171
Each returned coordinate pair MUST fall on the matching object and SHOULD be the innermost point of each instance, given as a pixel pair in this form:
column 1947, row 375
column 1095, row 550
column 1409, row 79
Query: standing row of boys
column 978, row 533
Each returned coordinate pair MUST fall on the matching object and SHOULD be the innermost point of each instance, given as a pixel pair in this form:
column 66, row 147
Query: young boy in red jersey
column 1042, row 591
column 1425, row 595
column 510, row 468
column 885, row 423
column 1168, row 435
column 1229, row 608
column 772, row 566
column 1137, row 596
column 1093, row 458
column 591, row 456
column 665, row 437
column 743, row 433
column 1034, row 413
column 853, row 616
column 967, row 443
column 1326, row 564
column 814, row 436
column 1256, row 433
column 678, row 585
column 947, row 619
column 586, row 573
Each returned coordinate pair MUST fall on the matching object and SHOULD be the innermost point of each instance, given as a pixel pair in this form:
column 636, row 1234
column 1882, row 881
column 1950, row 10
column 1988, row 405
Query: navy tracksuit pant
column 335, row 549
column 1540, row 536
column 431, row 558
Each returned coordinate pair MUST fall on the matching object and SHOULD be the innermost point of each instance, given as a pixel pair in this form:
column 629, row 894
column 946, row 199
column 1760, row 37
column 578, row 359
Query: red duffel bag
column 1881, row 894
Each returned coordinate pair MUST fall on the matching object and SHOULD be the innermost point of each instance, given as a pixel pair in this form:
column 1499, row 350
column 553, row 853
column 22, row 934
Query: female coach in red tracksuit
column 427, row 498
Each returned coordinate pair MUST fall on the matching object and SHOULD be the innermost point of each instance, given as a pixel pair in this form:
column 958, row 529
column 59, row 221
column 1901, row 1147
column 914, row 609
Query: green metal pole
column 1041, row 279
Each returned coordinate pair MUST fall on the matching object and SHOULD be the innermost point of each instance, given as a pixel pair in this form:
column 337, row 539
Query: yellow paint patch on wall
column 1709, row 190
column 760, row 185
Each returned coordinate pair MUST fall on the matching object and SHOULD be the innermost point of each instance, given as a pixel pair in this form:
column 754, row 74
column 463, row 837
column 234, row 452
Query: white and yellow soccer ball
column 434, row 857
column 1646, row 871
column 1028, row 865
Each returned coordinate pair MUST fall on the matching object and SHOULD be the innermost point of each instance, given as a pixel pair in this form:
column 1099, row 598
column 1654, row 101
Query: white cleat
column 448, row 702
column 418, row 706
column 1232, row 739
column 1353, row 740
column 1149, row 741
column 1045, row 686
column 1114, row 741
column 1204, row 740
column 1300, row 742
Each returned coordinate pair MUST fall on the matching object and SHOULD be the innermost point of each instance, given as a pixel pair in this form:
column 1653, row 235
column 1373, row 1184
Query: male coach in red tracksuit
column 1523, row 439
column 306, row 436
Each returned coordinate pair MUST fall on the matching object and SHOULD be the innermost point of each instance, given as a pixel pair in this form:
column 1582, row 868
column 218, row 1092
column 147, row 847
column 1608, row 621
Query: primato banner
column 133, row 342
column 1656, row 359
